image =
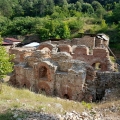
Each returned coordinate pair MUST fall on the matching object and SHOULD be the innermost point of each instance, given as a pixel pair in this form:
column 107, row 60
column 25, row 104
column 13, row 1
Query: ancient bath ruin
column 78, row 69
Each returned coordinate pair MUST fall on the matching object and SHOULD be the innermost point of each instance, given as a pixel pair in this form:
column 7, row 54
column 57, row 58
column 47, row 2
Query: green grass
column 12, row 99
column 22, row 98
column 6, row 116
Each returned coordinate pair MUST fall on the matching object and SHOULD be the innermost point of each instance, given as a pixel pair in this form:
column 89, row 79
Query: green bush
column 75, row 25
column 44, row 33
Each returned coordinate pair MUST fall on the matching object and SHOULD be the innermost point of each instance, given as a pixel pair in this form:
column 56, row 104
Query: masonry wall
column 20, row 54
column 108, row 79
column 69, row 85
column 81, row 52
column 86, row 40
column 63, row 70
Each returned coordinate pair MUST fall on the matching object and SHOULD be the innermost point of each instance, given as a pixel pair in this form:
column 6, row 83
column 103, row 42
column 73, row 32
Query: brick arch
column 103, row 66
column 24, row 83
column 43, row 45
column 65, row 48
column 81, row 50
column 97, row 66
column 43, row 86
column 49, row 71
column 66, row 92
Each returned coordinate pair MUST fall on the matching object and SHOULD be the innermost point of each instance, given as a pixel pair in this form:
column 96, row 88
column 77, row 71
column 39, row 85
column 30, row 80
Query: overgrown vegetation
column 60, row 18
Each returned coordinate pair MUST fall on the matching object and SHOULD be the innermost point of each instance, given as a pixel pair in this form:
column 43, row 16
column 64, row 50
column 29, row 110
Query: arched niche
column 43, row 72
column 97, row 66
column 65, row 48
column 66, row 96
column 46, row 45
column 66, row 92
column 44, row 88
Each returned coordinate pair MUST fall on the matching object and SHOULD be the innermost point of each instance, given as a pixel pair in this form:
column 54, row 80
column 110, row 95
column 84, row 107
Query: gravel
column 94, row 114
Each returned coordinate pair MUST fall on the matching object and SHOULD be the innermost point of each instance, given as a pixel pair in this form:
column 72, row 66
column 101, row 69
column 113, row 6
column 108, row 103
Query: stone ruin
column 67, row 69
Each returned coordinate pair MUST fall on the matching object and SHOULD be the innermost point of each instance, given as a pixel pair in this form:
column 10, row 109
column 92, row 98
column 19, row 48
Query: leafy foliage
column 5, row 64
column 52, row 17
column 116, row 13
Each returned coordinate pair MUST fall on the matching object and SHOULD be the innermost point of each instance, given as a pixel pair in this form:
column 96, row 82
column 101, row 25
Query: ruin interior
column 77, row 69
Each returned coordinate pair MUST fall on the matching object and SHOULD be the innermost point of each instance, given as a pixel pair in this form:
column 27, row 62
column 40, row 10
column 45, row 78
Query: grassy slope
column 21, row 98
column 14, row 98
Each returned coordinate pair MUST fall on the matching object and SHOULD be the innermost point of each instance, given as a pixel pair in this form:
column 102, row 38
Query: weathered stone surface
column 64, row 70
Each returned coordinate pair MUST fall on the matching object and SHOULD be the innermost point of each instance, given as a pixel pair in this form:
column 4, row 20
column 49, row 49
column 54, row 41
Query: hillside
column 59, row 19
column 22, row 104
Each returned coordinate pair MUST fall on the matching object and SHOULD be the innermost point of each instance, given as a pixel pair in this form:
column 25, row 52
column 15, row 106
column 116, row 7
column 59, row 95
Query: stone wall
column 20, row 54
column 71, row 72
column 86, row 40
column 98, row 56
column 57, row 74
column 90, row 42
column 106, row 81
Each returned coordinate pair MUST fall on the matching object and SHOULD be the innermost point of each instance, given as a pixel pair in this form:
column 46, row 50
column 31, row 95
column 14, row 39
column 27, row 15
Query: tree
column 63, row 31
column 118, row 32
column 98, row 8
column 18, row 11
column 96, row 5
column 5, row 64
column 6, row 8
column 100, row 12
column 49, row 7
column 87, row 8
column 44, row 33
column 116, row 13
column 72, row 6
column 61, row 2
column 78, row 6
column 72, row 1
column 40, row 7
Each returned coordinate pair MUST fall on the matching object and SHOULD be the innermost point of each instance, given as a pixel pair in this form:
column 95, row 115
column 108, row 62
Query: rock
column 19, row 119
column 15, row 115
column 84, row 114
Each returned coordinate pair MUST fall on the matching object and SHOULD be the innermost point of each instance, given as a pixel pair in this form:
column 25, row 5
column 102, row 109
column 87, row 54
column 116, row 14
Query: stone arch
column 24, row 83
column 98, row 65
column 81, row 50
column 66, row 96
column 66, row 92
column 43, row 45
column 44, row 87
column 44, row 71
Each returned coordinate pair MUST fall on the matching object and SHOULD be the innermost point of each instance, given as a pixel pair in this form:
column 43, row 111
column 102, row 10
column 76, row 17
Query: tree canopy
column 22, row 17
